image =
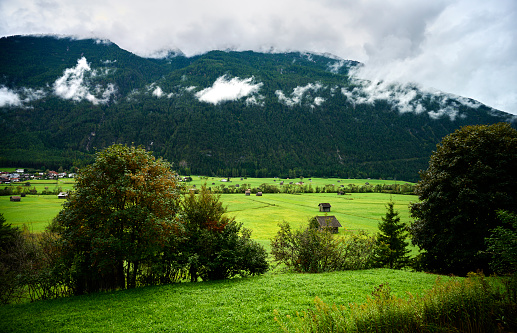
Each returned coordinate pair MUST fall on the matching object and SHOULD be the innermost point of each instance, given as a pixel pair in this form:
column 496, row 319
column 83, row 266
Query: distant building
column 15, row 198
column 329, row 222
column 62, row 195
column 324, row 207
column 259, row 194
column 248, row 192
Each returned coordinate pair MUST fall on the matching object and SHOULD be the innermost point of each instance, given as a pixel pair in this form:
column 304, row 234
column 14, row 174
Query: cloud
column 19, row 97
column 158, row 92
column 406, row 97
column 466, row 47
column 298, row 93
column 228, row 90
column 9, row 97
column 75, row 85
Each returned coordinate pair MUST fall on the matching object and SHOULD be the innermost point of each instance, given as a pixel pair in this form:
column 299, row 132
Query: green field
column 260, row 214
column 237, row 305
column 34, row 211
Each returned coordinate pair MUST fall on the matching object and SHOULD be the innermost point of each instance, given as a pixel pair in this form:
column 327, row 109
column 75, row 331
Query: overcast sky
column 465, row 47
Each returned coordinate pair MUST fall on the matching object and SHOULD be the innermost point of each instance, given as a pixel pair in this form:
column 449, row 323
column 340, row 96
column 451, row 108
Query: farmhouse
column 15, row 198
column 259, row 194
column 329, row 222
column 62, row 195
column 324, row 207
column 248, row 192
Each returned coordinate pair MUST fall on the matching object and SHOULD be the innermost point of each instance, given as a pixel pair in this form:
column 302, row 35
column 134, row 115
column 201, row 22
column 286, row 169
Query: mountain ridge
column 227, row 113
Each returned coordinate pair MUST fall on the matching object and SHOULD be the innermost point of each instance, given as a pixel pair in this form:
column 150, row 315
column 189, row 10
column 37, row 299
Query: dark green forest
column 340, row 136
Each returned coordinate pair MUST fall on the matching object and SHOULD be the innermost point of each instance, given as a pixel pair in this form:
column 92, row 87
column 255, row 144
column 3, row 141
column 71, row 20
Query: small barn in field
column 15, row 198
column 324, row 207
column 62, row 195
column 329, row 222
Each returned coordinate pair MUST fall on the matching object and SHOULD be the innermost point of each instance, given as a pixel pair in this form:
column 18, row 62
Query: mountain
column 221, row 113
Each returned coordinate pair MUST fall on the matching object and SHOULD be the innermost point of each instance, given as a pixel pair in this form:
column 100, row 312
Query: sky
column 463, row 47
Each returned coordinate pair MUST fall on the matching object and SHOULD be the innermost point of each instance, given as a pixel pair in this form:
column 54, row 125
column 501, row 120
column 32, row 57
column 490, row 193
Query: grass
column 33, row 211
column 238, row 305
column 260, row 214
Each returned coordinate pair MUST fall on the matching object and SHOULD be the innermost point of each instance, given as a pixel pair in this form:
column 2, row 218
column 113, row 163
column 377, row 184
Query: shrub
column 312, row 250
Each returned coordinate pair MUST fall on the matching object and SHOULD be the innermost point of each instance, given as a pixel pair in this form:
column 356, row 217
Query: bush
column 312, row 250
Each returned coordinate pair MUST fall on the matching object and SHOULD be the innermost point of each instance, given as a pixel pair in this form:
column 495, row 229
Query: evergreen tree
column 392, row 249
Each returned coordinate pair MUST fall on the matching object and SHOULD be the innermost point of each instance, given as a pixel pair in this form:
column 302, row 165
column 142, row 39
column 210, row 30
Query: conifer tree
column 392, row 249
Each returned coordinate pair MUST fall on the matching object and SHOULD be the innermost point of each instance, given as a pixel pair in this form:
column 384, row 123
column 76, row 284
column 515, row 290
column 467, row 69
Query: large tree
column 120, row 215
column 471, row 175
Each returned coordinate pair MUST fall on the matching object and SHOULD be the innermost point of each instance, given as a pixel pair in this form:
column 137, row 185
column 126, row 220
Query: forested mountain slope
column 225, row 113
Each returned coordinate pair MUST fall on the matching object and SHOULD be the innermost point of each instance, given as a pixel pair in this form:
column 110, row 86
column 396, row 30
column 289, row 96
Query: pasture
column 260, row 214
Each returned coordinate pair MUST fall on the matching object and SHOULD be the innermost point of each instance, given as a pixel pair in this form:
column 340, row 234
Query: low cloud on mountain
column 407, row 98
column 20, row 97
column 225, row 89
column 296, row 97
column 75, row 85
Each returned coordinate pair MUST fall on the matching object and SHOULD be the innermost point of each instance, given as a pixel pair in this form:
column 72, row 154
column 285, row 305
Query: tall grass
column 470, row 305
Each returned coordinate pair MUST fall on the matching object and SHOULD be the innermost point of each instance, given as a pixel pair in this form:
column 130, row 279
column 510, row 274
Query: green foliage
column 312, row 250
column 471, row 305
column 502, row 244
column 215, row 246
column 10, row 266
column 121, row 214
column 392, row 251
column 470, row 177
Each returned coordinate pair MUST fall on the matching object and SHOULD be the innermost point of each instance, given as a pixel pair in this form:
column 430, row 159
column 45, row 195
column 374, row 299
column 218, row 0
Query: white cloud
column 298, row 93
column 75, row 85
column 318, row 101
column 9, row 97
column 158, row 92
column 406, row 97
column 228, row 90
column 19, row 97
column 466, row 47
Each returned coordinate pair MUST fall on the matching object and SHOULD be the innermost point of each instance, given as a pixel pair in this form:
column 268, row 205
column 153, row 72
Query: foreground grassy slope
column 238, row 305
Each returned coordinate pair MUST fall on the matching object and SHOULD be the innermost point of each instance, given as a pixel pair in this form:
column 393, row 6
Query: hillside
column 225, row 113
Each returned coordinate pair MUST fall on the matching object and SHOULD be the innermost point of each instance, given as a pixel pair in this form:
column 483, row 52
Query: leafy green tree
column 391, row 241
column 120, row 215
column 10, row 266
column 502, row 244
column 470, row 177
column 312, row 250
column 216, row 247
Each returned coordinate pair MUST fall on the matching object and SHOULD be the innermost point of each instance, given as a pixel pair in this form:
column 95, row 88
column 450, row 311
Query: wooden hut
column 329, row 222
column 324, row 207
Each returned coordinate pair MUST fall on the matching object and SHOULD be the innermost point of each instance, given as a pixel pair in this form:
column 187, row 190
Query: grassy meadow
column 260, row 214
column 237, row 305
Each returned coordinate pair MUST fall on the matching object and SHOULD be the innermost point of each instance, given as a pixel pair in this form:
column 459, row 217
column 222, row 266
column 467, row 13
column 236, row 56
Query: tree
column 391, row 241
column 312, row 250
column 471, row 176
column 215, row 246
column 502, row 244
column 120, row 215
